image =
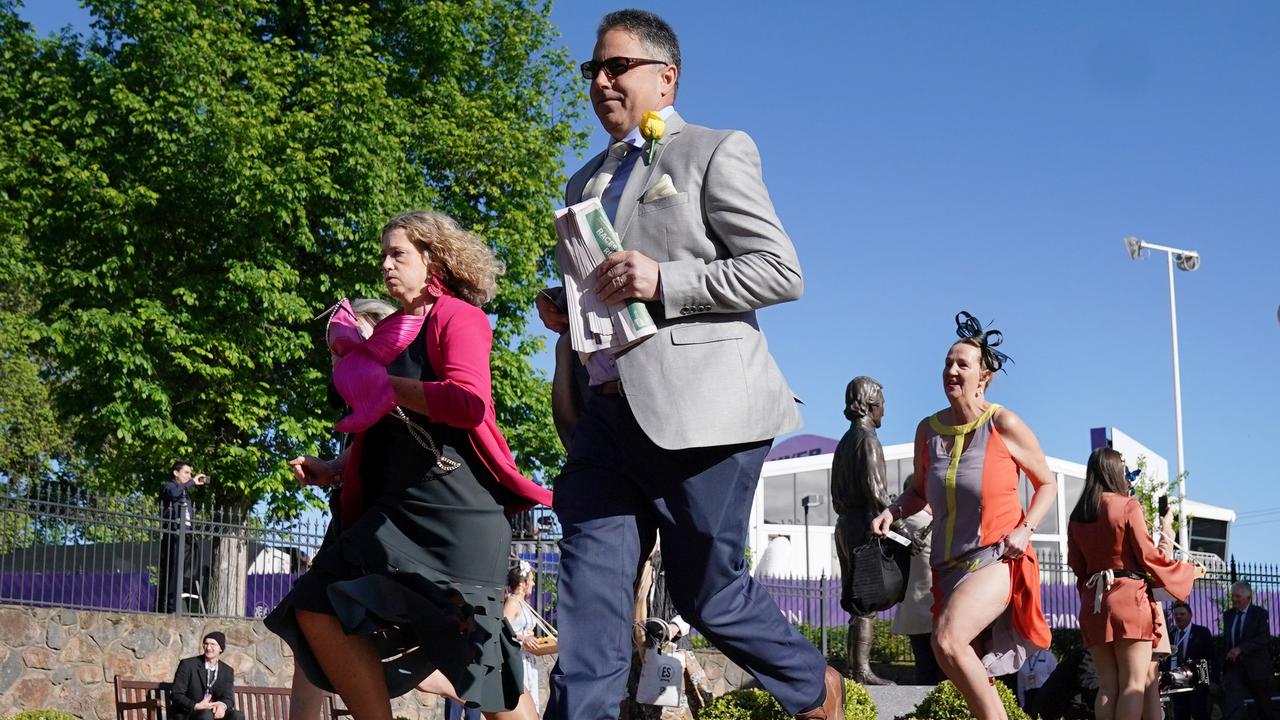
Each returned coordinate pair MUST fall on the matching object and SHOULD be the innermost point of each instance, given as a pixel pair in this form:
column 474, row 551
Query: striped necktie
column 598, row 182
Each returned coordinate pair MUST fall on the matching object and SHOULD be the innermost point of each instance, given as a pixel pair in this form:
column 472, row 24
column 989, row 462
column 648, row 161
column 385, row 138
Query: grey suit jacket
column 706, row 378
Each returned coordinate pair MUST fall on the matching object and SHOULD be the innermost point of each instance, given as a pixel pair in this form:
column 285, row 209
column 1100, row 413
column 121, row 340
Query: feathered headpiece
column 968, row 328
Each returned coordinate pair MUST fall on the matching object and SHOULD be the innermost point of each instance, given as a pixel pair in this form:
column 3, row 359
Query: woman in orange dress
column 1116, row 564
column 986, row 582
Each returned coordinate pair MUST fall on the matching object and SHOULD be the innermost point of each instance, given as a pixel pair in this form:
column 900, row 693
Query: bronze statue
column 858, row 495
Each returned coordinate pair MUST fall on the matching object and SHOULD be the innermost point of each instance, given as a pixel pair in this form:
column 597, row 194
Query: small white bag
column 661, row 678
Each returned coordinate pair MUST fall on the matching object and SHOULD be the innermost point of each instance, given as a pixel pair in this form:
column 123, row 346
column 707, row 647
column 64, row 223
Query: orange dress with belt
column 1118, row 540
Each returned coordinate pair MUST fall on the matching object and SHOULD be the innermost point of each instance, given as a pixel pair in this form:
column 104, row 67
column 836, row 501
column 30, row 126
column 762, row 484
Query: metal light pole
column 1189, row 261
column 806, row 502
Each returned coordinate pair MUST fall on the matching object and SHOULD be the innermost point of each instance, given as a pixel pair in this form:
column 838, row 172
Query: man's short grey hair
column 1244, row 586
column 652, row 31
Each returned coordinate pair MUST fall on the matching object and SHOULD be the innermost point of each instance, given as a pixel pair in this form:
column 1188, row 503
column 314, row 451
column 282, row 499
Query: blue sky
column 932, row 157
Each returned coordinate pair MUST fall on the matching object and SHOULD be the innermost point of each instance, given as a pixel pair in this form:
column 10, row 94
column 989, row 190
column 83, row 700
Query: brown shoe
column 832, row 707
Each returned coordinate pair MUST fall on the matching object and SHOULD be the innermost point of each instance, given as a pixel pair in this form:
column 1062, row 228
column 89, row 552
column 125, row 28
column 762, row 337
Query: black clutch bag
column 880, row 569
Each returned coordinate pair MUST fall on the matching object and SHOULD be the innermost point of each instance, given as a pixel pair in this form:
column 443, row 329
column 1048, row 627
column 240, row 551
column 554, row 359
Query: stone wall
column 66, row 659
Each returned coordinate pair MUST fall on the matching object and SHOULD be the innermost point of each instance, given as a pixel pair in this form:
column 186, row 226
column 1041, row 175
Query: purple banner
column 814, row 602
column 804, row 601
column 106, row 591
column 264, row 592
column 127, row 592
column 802, row 446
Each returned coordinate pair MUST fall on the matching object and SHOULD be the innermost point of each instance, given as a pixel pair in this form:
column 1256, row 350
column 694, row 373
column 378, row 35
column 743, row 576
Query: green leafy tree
column 32, row 438
column 192, row 182
column 1148, row 490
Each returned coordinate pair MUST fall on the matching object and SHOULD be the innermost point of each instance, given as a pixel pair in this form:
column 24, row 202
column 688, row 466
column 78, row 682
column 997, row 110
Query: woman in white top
column 520, row 582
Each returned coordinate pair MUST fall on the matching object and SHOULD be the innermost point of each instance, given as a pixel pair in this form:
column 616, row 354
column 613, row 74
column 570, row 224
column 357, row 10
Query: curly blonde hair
column 464, row 261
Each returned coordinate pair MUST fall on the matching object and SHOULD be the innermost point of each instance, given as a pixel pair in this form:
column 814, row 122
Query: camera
column 201, row 479
column 1185, row 678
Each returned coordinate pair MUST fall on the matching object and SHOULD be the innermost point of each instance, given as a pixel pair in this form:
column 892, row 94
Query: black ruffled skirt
column 422, row 573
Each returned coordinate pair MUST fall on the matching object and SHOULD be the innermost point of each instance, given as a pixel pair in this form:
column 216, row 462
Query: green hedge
column 1065, row 641
column 755, row 704
column 946, row 703
column 40, row 715
column 886, row 647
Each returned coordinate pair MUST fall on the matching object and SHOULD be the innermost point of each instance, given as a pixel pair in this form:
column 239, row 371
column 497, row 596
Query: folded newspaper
column 586, row 237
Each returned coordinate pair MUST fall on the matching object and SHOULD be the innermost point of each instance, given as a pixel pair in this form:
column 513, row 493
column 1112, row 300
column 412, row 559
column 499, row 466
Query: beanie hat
column 217, row 637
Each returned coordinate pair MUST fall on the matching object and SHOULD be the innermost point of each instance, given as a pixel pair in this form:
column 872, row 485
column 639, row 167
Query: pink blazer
column 459, row 341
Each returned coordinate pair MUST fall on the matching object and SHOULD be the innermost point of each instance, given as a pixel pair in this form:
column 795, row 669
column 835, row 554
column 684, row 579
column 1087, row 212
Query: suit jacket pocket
column 710, row 353
column 698, row 333
column 681, row 198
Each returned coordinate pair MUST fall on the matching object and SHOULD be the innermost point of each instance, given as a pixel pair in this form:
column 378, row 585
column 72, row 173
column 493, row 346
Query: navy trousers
column 616, row 492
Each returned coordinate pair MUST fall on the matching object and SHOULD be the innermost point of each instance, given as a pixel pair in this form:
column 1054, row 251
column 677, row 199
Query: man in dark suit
column 1247, row 667
column 179, row 561
column 204, row 686
column 1189, row 644
column 674, row 433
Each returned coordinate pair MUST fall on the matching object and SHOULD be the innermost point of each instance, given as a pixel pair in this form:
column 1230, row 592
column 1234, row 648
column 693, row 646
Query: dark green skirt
column 422, row 573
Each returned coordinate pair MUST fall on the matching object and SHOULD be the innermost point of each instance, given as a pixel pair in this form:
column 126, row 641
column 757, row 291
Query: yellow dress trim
column 957, row 449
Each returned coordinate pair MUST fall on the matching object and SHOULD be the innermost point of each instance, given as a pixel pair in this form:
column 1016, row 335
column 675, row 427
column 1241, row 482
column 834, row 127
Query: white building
column 802, row 467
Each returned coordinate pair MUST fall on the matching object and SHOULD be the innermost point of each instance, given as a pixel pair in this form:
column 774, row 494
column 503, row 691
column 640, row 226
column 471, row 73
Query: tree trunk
column 229, row 584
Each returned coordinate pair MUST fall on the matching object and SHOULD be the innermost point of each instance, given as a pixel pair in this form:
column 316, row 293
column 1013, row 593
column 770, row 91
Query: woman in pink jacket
column 411, row 594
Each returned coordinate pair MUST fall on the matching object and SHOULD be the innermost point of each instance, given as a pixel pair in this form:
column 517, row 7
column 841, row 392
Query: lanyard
column 212, row 675
column 1183, row 635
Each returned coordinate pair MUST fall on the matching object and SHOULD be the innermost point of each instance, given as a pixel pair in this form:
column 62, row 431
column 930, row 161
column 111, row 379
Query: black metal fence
column 66, row 548
column 815, row 604
column 63, row 547
column 1210, row 595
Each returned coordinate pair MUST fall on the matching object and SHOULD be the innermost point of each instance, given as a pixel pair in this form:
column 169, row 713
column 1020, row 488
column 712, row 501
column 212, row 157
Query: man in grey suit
column 1247, row 667
column 675, row 429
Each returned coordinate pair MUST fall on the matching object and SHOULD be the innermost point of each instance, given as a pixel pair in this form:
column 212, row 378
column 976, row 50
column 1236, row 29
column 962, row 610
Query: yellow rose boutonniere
column 652, row 128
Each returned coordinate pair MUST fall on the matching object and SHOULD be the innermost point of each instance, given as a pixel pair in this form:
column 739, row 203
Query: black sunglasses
column 614, row 66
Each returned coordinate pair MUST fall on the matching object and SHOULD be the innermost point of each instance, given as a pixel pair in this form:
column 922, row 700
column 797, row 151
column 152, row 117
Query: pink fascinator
column 361, row 375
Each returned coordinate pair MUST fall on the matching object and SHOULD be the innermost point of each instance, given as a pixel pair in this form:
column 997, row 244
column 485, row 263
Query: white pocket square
column 663, row 188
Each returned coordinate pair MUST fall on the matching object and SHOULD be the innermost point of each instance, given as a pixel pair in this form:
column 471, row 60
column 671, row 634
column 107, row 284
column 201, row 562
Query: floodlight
column 1134, row 246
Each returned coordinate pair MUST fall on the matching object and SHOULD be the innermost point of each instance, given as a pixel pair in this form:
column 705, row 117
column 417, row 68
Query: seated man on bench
column 204, row 686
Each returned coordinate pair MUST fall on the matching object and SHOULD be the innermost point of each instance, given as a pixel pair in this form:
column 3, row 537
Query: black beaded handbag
column 880, row 569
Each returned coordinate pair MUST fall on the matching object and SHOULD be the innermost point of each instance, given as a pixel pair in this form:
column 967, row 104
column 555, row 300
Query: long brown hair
column 1104, row 473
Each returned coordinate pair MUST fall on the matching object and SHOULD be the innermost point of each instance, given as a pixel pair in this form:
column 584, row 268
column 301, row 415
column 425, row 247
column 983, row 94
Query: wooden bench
column 146, row 700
